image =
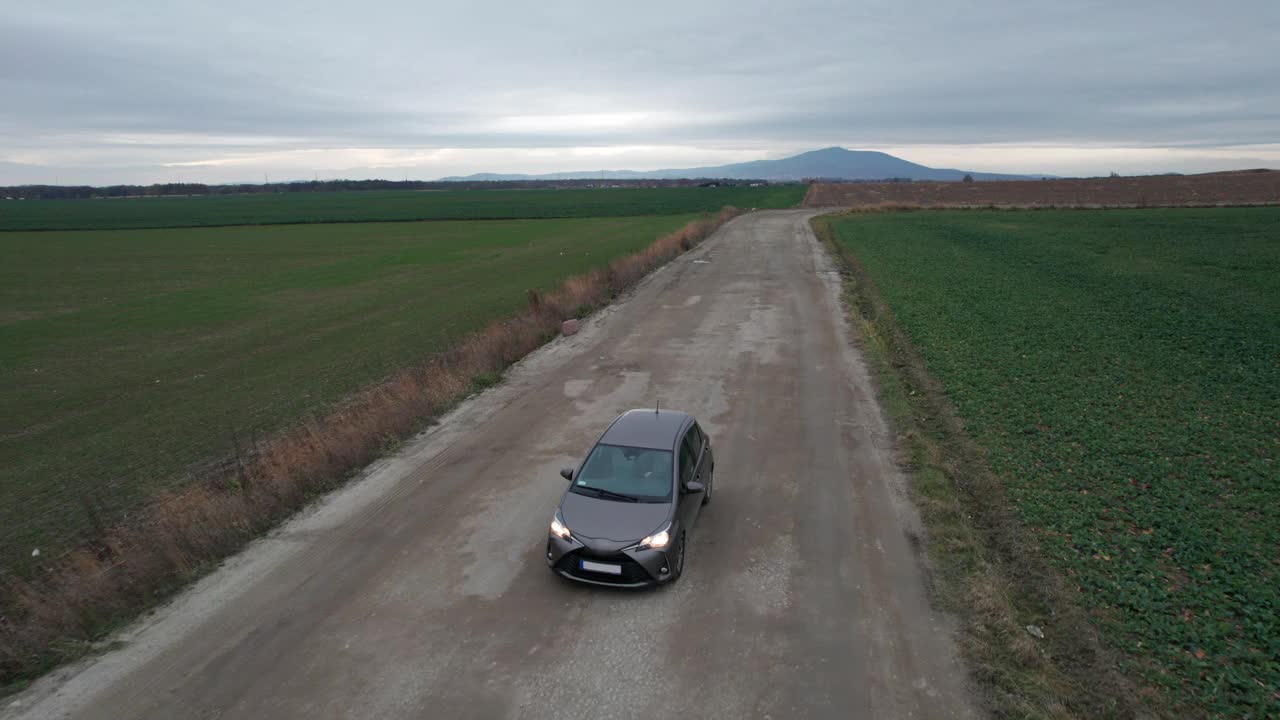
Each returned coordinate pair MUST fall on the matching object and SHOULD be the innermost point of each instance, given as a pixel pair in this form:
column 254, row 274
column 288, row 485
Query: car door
column 690, row 452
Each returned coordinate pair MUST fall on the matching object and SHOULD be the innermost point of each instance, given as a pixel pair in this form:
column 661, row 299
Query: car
column 626, row 516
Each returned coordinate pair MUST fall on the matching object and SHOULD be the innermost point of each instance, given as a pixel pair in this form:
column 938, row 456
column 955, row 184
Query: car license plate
column 601, row 567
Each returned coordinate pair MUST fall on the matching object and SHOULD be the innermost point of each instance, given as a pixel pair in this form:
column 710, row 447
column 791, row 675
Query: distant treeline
column 84, row 192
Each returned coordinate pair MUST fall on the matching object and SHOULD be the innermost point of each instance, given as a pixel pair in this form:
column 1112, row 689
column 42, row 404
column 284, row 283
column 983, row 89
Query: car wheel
column 677, row 568
column 711, row 483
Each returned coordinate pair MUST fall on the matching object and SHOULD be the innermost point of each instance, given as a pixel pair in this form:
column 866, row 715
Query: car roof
column 657, row 430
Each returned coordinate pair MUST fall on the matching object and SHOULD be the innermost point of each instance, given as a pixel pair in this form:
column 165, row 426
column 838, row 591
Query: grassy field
column 127, row 356
column 1122, row 371
column 160, row 212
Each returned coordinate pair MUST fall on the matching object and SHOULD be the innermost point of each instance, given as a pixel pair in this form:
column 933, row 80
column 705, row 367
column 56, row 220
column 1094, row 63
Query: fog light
column 548, row 554
column 664, row 570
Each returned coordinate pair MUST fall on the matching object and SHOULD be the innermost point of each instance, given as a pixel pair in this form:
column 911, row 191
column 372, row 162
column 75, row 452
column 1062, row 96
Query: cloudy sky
column 123, row 91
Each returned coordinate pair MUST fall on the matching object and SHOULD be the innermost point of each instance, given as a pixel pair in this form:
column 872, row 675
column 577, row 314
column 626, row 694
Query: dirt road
column 420, row 591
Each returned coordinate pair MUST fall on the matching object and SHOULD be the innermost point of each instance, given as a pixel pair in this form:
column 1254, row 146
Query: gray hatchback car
column 626, row 517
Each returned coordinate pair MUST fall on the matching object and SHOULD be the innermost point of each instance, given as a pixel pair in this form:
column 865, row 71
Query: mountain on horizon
column 833, row 163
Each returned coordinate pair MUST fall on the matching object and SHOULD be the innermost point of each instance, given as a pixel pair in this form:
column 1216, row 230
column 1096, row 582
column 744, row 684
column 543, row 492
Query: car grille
column 632, row 572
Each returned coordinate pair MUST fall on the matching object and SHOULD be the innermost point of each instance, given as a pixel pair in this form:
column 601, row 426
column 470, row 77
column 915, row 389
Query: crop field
column 1121, row 368
column 127, row 356
column 334, row 207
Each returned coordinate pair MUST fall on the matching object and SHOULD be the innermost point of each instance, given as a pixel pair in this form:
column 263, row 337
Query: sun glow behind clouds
column 371, row 158
column 578, row 122
column 397, row 163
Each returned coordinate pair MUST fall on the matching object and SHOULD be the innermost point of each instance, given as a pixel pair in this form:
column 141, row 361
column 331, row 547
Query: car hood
column 602, row 519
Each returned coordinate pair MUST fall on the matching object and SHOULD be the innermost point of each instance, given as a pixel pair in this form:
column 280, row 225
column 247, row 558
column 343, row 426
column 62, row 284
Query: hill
column 833, row 163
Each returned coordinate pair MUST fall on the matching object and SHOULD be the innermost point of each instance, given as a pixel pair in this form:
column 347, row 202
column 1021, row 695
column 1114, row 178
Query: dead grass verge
column 988, row 570
column 60, row 612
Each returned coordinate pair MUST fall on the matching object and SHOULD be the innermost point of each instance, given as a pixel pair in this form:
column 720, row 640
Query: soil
column 1250, row 187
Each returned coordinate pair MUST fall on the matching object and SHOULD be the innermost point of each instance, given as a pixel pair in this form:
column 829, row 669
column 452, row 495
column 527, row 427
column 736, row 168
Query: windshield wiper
column 601, row 492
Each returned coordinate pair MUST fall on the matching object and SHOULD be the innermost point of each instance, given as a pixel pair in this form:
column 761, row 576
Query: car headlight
column 658, row 540
column 559, row 529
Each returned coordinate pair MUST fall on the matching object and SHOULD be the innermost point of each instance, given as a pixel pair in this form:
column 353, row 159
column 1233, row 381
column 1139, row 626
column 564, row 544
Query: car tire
column 677, row 567
column 706, row 495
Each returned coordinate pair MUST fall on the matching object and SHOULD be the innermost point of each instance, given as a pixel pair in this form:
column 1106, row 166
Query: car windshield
column 632, row 473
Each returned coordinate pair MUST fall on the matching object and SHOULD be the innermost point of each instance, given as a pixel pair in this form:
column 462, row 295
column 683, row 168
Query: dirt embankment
column 1254, row 187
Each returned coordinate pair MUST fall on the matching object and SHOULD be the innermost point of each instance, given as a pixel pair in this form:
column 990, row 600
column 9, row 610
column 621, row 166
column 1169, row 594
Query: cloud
column 119, row 90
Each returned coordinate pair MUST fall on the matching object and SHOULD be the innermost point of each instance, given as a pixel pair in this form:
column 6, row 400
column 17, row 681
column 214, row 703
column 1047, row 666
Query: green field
column 332, row 207
column 126, row 356
column 1122, row 370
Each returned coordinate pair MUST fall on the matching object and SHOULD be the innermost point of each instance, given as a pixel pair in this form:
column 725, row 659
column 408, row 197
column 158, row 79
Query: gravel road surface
column 420, row 590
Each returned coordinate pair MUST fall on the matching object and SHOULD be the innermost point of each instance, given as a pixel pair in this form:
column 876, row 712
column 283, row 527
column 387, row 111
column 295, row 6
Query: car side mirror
column 567, row 473
column 693, row 487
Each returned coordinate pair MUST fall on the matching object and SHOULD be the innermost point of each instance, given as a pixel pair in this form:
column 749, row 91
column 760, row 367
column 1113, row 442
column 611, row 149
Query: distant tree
column 1115, row 174
column 968, row 178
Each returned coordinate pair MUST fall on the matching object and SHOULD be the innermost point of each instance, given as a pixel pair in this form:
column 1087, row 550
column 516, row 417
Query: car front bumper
column 639, row 567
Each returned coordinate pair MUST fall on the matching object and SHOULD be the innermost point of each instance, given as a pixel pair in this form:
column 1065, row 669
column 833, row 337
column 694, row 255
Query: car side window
column 698, row 436
column 688, row 458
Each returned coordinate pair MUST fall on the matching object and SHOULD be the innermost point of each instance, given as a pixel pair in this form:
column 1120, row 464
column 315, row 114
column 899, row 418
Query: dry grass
column 61, row 612
column 988, row 570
